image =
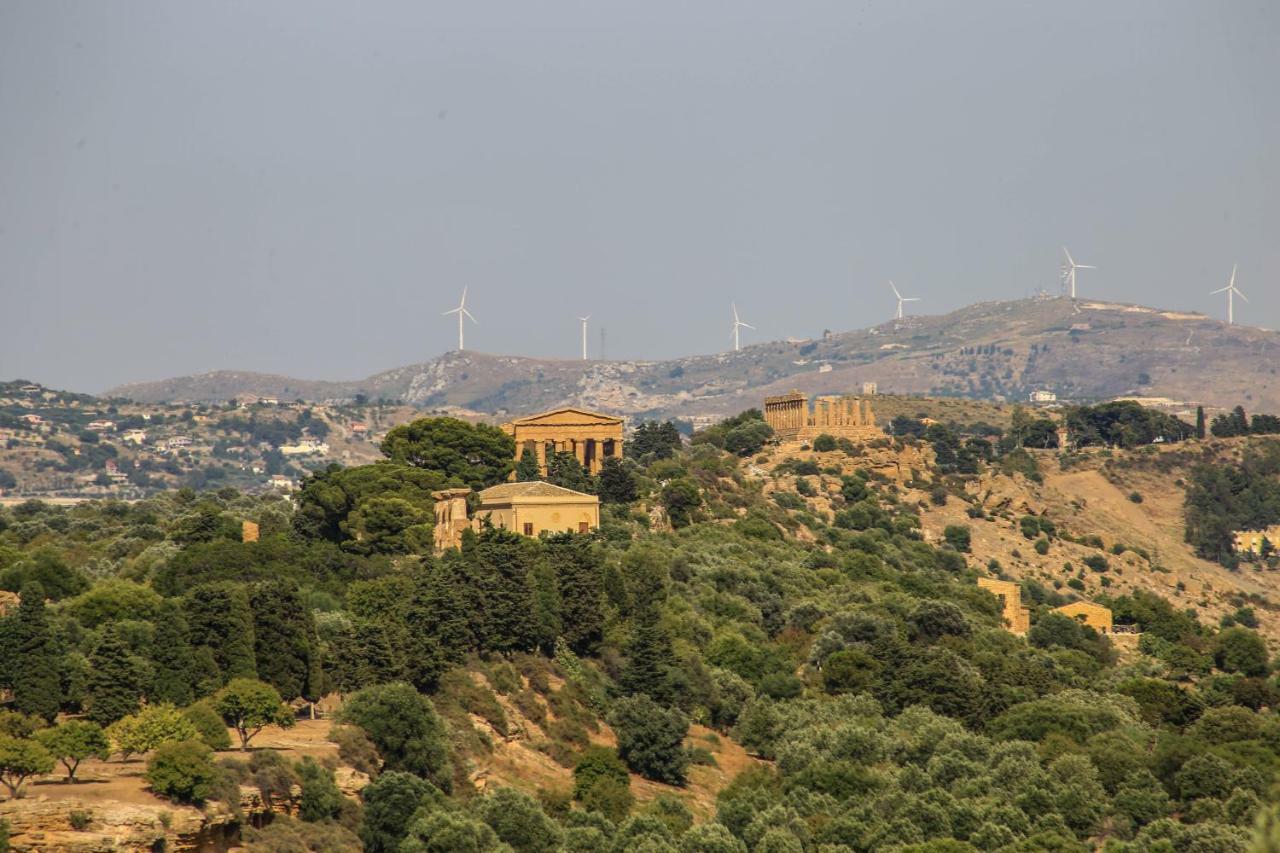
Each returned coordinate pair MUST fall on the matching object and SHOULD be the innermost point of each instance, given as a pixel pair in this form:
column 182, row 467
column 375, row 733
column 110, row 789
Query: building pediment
column 568, row 416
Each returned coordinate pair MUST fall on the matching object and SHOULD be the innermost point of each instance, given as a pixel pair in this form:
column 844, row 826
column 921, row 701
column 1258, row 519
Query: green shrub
column 182, row 771
column 958, row 536
column 80, row 819
column 405, row 728
column 1042, row 546
column 824, row 443
column 209, row 726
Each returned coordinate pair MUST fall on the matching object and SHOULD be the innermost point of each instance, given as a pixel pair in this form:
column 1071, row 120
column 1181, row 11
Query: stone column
column 540, row 448
column 580, row 451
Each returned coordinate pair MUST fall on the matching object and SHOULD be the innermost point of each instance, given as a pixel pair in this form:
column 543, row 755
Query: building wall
column 1095, row 616
column 1250, row 541
column 1016, row 617
column 533, row 517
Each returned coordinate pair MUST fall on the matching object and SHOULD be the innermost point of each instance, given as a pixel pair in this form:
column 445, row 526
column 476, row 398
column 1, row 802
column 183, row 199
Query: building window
column 583, row 527
column 528, row 528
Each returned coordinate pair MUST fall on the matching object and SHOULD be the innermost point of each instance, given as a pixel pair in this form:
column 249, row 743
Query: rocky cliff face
column 41, row 825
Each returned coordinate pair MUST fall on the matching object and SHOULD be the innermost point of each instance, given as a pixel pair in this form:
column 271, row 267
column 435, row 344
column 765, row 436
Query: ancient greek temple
column 845, row 416
column 590, row 436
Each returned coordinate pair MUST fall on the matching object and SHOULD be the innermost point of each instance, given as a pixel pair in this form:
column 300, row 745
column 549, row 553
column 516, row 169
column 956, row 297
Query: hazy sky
column 303, row 187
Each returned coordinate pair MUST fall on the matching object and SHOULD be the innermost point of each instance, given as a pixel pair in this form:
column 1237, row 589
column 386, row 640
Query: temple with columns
column 592, row 437
column 845, row 416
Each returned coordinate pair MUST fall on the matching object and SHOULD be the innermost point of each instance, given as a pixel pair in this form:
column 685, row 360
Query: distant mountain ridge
column 990, row 350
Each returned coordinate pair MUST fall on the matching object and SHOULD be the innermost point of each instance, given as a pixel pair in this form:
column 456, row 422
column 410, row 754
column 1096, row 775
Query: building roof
column 531, row 489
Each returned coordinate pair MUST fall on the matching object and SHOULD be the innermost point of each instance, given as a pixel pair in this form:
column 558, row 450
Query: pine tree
column 175, row 665
column 527, row 470
column 616, row 483
column 115, row 687
column 579, row 568
column 219, row 618
column 284, row 634
column 37, row 685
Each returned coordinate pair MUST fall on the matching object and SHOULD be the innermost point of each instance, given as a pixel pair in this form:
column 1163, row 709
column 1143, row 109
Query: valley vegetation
column 885, row 702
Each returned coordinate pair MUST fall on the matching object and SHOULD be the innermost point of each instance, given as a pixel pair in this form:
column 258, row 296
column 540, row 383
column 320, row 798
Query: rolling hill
column 990, row 350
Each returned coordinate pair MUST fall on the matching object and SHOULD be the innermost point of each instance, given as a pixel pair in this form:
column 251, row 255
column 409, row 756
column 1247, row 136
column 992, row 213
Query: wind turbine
column 1232, row 291
column 583, row 321
column 902, row 299
column 738, row 324
column 462, row 313
column 1069, row 271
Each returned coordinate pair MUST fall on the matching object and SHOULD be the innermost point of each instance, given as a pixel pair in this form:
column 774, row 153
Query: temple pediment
column 568, row 416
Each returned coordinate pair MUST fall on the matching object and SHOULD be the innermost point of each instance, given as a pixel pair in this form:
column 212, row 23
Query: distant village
column 62, row 444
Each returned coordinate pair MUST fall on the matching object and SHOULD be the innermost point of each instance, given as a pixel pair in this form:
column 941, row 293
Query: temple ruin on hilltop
column 843, row 416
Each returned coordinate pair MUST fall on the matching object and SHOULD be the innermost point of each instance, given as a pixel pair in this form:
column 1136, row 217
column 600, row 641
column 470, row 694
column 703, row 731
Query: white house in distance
column 305, row 447
column 1043, row 396
column 134, row 436
column 102, row 426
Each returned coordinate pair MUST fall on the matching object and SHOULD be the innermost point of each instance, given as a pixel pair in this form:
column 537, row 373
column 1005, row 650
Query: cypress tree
column 115, row 687
column 503, row 562
column 527, row 469
column 37, row 685
column 206, row 677
column 546, row 605
column 579, row 568
column 564, row 469
column 1200, row 422
column 439, row 635
column 649, row 659
column 616, row 484
column 283, row 632
column 373, row 658
column 175, row 664
column 219, row 618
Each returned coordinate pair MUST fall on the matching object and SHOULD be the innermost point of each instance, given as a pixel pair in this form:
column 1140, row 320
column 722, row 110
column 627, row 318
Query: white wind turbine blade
column 895, row 290
column 468, row 315
column 1069, row 258
column 450, row 311
column 1240, row 294
column 463, row 303
column 746, row 325
column 911, row 299
column 1085, row 267
column 1219, row 290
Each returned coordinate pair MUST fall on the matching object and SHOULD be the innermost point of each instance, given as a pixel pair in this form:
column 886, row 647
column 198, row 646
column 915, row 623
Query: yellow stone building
column 1016, row 617
column 1250, row 541
column 527, row 508
column 845, row 416
column 590, row 436
column 1095, row 616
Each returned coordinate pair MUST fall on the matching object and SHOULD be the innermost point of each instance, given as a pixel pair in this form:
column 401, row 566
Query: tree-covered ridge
column 862, row 664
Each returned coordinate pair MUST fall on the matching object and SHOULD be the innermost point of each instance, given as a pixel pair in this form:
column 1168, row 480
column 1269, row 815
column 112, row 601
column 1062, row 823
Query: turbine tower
column 738, row 324
column 583, row 321
column 1232, row 291
column 463, row 314
column 1069, row 271
column 902, row 299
